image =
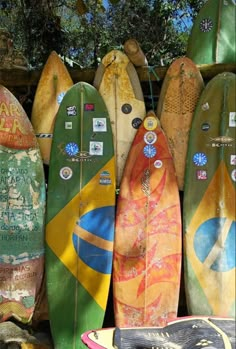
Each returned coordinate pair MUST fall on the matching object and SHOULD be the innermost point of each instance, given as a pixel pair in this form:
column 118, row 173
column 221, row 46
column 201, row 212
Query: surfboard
column 209, row 202
column 80, row 216
column 22, row 212
column 147, row 248
column 212, row 39
column 118, row 83
column 185, row 333
column 54, row 81
column 180, row 92
column 134, row 52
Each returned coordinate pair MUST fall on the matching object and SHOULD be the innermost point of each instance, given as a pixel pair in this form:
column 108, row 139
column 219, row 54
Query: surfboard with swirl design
column 80, row 216
column 147, row 249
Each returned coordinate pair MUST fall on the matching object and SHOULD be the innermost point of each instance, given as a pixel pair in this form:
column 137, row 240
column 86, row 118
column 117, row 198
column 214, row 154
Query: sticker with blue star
column 72, row 149
column 200, row 159
column 149, row 151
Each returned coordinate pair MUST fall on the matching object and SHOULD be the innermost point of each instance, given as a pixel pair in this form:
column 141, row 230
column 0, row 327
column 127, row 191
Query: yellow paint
column 217, row 286
column 60, row 229
column 93, row 239
column 16, row 125
column 9, row 110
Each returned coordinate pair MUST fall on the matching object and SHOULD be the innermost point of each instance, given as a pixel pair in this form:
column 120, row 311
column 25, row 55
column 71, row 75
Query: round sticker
column 206, row 25
column 150, row 137
column 205, row 126
column 66, row 173
column 149, row 151
column 200, row 159
column 150, row 123
column 126, row 108
column 233, row 175
column 158, row 164
column 136, row 122
column 72, row 149
column 60, row 97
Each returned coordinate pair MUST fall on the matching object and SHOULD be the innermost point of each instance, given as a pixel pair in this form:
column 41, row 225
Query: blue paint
column 95, row 257
column 206, row 237
column 99, row 222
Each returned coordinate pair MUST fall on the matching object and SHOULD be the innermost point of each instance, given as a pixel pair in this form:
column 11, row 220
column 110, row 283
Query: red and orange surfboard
column 147, row 249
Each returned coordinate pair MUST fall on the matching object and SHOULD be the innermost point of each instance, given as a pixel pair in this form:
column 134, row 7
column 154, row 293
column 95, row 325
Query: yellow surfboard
column 117, row 81
column 54, row 81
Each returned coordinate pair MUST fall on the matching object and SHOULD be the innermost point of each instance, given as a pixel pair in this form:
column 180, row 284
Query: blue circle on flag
column 209, row 244
column 149, row 151
column 200, row 159
column 72, row 149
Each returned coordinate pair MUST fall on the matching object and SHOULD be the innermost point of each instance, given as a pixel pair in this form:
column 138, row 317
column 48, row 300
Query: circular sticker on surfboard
column 150, row 123
column 126, row 108
column 207, row 249
column 150, row 137
column 72, row 149
column 149, row 151
column 200, row 159
column 233, row 175
column 136, row 122
column 205, row 126
column 158, row 164
column 206, row 25
column 66, row 173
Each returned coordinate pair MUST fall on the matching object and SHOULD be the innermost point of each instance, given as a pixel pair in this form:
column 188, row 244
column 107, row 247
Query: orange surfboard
column 54, row 81
column 180, row 92
column 147, row 249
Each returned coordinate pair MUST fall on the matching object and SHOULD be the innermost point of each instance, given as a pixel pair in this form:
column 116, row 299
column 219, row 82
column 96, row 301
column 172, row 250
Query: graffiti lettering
column 5, row 127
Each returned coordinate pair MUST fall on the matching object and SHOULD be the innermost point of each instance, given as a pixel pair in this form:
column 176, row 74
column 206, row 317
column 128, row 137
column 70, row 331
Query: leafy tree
column 87, row 33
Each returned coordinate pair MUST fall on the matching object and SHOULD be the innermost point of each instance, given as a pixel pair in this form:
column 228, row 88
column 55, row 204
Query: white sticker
column 150, row 137
column 96, row 148
column 232, row 159
column 232, row 119
column 99, row 125
column 158, row 163
column 205, row 106
column 68, row 125
column 233, row 175
column 66, row 173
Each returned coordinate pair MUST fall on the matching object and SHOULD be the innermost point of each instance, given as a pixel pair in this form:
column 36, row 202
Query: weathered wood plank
column 22, row 77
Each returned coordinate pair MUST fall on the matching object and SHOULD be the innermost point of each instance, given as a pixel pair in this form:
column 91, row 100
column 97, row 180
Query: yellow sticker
column 150, row 123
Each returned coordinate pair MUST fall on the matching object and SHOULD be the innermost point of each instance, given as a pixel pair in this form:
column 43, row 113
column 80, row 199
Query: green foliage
column 38, row 27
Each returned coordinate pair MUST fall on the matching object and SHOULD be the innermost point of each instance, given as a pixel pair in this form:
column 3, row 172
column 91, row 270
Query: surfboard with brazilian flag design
column 80, row 216
column 209, row 201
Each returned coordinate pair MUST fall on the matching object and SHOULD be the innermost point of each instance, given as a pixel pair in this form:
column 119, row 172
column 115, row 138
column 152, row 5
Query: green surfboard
column 80, row 216
column 213, row 36
column 22, row 212
column 209, row 202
